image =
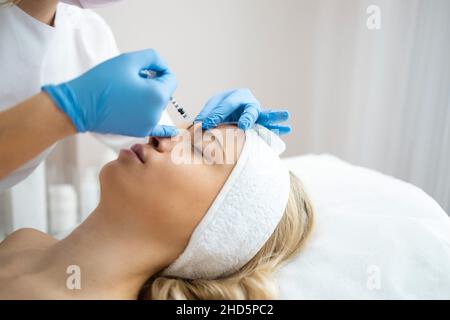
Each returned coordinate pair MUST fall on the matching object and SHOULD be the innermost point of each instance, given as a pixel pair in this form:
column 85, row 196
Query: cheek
column 181, row 185
column 197, row 186
column 168, row 178
column 188, row 192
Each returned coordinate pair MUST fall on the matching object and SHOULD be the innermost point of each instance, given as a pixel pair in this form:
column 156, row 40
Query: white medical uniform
column 33, row 54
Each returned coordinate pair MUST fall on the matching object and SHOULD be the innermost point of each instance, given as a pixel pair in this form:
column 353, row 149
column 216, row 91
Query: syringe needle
column 150, row 74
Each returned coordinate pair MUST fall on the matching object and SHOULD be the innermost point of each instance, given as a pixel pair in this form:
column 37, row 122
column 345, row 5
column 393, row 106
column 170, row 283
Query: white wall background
column 380, row 99
column 375, row 98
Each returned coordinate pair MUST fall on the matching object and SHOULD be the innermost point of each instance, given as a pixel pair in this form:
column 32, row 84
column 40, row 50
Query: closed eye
column 196, row 149
column 199, row 149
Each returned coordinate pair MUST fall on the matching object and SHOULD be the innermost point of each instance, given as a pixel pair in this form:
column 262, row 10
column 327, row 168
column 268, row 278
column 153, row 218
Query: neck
column 113, row 257
column 42, row 10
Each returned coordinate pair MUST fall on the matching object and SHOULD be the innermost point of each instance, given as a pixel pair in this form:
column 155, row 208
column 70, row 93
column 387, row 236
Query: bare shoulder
column 26, row 238
column 17, row 254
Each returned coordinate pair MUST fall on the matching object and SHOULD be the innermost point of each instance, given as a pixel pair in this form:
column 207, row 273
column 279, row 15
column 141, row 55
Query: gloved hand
column 114, row 98
column 242, row 107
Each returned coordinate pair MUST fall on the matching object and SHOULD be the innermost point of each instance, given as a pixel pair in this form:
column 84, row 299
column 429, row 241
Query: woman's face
column 171, row 182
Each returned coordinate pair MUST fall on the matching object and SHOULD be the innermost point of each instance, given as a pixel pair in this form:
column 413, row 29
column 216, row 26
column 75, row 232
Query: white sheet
column 375, row 237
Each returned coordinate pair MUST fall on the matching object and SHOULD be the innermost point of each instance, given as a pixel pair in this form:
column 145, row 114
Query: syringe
column 181, row 111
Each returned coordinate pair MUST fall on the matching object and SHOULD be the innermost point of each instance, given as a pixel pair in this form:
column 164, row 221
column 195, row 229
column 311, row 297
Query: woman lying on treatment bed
column 209, row 230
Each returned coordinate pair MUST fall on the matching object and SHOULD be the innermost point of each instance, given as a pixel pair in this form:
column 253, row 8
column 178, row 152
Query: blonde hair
column 255, row 280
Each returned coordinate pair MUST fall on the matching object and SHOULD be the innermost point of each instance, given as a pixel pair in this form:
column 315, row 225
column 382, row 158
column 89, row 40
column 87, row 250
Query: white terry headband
column 243, row 216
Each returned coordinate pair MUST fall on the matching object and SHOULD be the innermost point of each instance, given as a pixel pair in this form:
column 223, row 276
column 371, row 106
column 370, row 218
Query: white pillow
column 375, row 237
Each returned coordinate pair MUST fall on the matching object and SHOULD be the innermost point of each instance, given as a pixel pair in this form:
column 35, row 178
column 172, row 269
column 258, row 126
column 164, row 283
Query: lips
column 138, row 149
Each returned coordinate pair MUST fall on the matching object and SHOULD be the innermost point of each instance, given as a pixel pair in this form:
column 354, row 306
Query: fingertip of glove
column 244, row 124
column 208, row 124
column 164, row 132
column 285, row 130
column 286, row 113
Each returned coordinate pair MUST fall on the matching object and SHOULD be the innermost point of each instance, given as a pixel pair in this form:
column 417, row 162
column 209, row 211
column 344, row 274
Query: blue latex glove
column 114, row 98
column 239, row 105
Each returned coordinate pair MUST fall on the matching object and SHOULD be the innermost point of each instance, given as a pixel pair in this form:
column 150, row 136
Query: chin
column 116, row 183
column 107, row 168
column 110, row 175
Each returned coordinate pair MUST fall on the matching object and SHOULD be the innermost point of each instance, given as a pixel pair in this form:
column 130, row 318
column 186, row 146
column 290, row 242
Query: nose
column 161, row 145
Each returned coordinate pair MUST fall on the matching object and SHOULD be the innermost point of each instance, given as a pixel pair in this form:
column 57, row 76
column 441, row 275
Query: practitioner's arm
column 28, row 129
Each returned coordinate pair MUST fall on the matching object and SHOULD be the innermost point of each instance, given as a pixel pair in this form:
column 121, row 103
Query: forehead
column 224, row 130
column 228, row 133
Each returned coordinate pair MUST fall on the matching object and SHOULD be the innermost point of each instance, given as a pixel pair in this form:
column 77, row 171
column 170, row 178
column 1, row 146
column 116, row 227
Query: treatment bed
column 374, row 237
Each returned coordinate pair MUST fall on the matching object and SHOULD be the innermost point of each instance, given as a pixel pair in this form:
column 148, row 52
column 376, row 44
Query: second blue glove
column 241, row 106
